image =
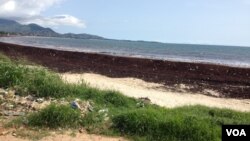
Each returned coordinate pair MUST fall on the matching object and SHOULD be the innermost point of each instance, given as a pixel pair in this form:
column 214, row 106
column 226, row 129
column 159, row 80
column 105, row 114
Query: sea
column 235, row 56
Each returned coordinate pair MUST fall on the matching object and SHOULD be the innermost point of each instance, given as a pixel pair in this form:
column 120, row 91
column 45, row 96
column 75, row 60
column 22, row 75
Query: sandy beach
column 157, row 93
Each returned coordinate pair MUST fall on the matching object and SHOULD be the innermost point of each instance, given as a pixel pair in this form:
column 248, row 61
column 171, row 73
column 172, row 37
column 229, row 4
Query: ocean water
column 225, row 55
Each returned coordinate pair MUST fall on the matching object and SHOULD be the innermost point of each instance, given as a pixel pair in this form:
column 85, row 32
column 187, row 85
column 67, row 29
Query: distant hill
column 11, row 26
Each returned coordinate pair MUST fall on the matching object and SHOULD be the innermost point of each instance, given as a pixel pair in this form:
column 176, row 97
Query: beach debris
column 3, row 92
column 145, row 100
column 211, row 92
column 8, row 106
column 81, row 130
column 83, row 106
column 191, row 69
column 3, row 133
column 183, row 86
column 103, row 111
column 140, row 104
column 62, row 101
column 12, row 113
column 53, row 99
column 13, row 133
column 75, row 104
column 15, row 105
column 1, row 97
column 39, row 106
column 21, row 100
column 9, row 95
column 40, row 100
column 88, row 106
column 104, row 114
column 29, row 97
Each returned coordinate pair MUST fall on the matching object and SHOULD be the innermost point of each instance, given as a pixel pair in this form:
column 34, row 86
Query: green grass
column 186, row 123
column 189, row 123
column 55, row 116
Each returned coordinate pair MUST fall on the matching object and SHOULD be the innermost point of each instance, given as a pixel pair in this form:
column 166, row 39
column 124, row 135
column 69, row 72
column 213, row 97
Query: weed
column 55, row 116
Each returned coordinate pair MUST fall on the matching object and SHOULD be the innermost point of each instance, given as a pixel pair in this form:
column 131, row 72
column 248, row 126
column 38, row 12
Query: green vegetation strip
column 126, row 116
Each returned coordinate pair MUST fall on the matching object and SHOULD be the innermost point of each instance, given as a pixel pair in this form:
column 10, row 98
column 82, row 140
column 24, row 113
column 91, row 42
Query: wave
column 123, row 51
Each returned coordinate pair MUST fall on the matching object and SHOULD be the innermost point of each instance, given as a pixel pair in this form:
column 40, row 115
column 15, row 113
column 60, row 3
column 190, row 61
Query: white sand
column 138, row 88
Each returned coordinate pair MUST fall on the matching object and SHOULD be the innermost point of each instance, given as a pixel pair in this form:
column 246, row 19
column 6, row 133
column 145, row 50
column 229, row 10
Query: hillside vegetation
column 10, row 26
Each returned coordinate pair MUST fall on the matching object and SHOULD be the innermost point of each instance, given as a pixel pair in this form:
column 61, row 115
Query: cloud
column 24, row 8
column 30, row 11
column 8, row 6
column 55, row 21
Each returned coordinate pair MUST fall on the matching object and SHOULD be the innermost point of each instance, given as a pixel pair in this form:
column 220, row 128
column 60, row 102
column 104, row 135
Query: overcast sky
column 224, row 22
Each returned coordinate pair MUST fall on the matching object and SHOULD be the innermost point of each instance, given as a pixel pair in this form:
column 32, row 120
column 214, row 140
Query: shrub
column 43, row 83
column 10, row 74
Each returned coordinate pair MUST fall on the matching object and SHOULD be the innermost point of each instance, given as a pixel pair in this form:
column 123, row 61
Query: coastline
column 231, row 82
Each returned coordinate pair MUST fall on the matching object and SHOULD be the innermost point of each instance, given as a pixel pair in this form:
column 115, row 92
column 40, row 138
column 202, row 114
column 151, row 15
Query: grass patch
column 10, row 74
column 195, row 123
column 115, row 99
column 55, row 116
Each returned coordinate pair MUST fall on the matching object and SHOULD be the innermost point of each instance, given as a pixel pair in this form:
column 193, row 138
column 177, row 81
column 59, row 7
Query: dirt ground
column 63, row 137
column 25, row 134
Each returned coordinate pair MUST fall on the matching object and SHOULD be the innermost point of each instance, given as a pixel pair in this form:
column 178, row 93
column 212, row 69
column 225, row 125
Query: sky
column 221, row 22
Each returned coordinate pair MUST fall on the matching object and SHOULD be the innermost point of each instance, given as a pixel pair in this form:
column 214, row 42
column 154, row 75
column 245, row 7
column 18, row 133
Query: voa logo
column 236, row 132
